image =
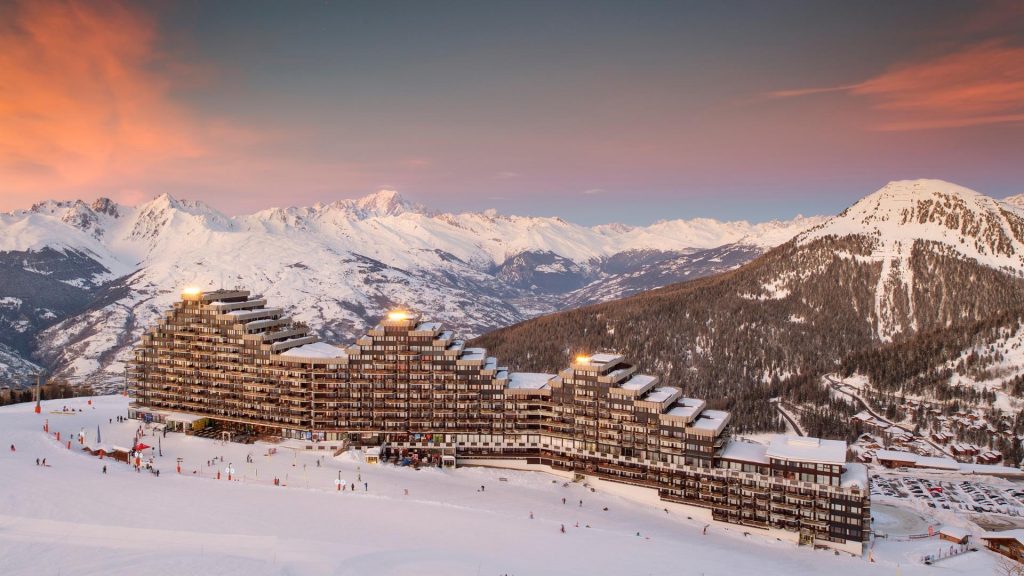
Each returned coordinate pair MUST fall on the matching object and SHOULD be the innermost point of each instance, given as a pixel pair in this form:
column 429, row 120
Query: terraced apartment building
column 226, row 357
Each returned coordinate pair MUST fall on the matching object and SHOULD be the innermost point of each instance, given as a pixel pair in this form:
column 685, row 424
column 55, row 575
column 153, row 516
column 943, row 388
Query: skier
column 563, row 529
column 563, row 500
column 581, row 503
column 44, row 461
column 406, row 491
column 531, row 515
column 706, row 529
column 366, row 486
column 12, row 448
column 104, row 468
column 37, row 461
column 483, row 488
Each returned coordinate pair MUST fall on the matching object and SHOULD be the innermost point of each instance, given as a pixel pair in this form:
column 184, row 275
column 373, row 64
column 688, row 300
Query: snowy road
column 69, row 518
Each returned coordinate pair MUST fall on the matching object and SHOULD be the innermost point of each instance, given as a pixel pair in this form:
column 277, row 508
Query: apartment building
column 227, row 357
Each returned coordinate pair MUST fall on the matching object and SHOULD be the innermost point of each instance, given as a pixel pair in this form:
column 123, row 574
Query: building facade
column 229, row 358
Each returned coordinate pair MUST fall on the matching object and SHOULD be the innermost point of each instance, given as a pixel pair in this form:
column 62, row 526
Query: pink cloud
column 85, row 99
column 978, row 85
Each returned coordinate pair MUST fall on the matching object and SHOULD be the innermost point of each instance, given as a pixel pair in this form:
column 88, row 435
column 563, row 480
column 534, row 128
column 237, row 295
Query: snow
column 605, row 358
column 638, row 382
column 315, row 350
column 69, row 518
column 334, row 265
column 473, row 354
column 660, row 394
column 805, row 449
column 711, row 420
column 529, row 380
column 745, row 452
column 854, row 475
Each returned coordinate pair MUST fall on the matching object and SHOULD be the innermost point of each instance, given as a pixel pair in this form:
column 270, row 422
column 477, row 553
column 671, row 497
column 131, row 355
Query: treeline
column 49, row 391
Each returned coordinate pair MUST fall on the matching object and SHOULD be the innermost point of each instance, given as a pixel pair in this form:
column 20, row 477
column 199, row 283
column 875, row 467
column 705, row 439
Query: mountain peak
column 384, row 203
column 904, row 212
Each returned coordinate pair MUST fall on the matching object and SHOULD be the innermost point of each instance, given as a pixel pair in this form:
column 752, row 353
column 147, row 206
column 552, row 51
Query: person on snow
column 104, row 468
column 12, row 448
column 563, row 528
column 37, row 461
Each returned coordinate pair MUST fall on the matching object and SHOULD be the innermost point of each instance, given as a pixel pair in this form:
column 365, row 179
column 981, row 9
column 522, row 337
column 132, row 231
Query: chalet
column 942, row 437
column 989, row 457
column 1009, row 543
column 954, row 534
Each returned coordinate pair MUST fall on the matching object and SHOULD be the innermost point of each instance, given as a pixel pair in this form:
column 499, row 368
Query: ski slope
column 69, row 518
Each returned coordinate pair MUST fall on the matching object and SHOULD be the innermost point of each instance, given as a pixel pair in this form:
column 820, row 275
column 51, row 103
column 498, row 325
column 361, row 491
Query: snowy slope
column 337, row 266
column 70, row 518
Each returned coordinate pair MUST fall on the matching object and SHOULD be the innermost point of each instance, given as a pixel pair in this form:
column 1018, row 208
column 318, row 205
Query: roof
column 740, row 451
column 687, row 410
column 638, row 381
column 529, row 380
column 315, row 350
column 473, row 354
column 807, row 449
column 660, row 394
column 604, row 358
column 1017, row 534
column 918, row 460
column 712, row 420
column 428, row 327
column 955, row 532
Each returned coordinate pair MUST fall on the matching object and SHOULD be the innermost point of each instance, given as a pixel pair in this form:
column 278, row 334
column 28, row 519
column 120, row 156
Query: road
column 846, row 390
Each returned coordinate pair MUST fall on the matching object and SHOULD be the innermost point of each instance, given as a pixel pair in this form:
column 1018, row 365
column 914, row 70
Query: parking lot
column 958, row 495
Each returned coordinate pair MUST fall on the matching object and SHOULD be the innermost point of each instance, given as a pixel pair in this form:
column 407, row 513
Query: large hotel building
column 228, row 358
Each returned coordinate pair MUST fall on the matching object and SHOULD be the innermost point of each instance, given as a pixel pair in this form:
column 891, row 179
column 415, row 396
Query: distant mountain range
column 905, row 284
column 79, row 281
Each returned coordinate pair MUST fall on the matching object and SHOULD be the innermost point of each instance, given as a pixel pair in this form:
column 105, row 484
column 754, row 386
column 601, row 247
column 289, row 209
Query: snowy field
column 69, row 518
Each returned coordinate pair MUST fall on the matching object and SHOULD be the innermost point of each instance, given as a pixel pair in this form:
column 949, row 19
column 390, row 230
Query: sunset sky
column 593, row 111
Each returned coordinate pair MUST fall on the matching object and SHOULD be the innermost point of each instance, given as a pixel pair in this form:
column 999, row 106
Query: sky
column 593, row 111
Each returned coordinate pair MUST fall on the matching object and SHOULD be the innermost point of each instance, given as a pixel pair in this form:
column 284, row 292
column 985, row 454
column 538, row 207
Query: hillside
column 915, row 259
column 80, row 280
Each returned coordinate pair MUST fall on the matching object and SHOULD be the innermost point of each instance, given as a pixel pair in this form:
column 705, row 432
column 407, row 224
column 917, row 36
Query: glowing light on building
column 192, row 291
column 583, row 359
column 398, row 315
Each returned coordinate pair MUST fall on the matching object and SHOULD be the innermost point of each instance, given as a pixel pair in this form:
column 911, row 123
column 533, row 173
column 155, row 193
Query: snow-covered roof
column 605, row 358
column 807, row 449
column 315, row 350
column 684, row 411
column 954, row 532
column 473, row 354
column 660, row 394
column 854, row 476
column 529, row 380
column 638, row 382
column 745, row 452
column 918, row 460
column 711, row 420
column 428, row 327
column 1016, row 534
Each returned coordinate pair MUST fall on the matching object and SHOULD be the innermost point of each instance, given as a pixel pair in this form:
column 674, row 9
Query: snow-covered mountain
column 904, row 282
column 910, row 215
column 113, row 268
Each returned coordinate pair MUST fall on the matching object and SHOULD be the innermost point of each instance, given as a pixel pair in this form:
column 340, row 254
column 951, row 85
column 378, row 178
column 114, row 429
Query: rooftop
column 529, row 380
column 638, row 382
column 315, row 350
column 745, row 452
column 807, row 449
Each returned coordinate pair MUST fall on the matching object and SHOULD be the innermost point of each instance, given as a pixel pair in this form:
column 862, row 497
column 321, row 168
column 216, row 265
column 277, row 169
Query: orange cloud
column 85, row 97
column 981, row 84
